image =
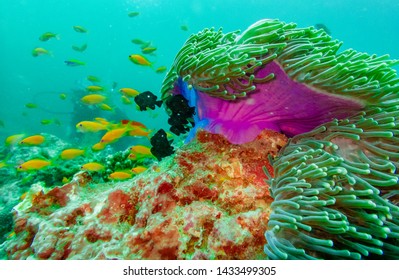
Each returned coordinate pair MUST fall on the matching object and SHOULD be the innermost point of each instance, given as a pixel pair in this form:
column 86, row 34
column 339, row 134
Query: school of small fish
column 98, row 95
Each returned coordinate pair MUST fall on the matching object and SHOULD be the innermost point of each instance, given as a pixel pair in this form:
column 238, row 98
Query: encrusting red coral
column 208, row 201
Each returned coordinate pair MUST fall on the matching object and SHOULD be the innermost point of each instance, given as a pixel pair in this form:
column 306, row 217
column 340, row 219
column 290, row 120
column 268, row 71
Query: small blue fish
column 74, row 62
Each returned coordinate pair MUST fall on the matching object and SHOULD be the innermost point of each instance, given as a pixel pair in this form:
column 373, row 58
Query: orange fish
column 113, row 135
column 139, row 131
column 133, row 123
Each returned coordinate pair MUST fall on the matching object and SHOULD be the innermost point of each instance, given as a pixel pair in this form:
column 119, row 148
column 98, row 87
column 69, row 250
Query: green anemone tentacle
column 213, row 62
column 339, row 186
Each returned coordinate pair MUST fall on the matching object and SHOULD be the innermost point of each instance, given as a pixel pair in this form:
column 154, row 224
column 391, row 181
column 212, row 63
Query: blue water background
column 364, row 25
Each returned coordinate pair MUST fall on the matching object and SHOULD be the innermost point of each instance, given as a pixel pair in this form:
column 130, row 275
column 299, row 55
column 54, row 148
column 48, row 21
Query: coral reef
column 15, row 184
column 208, row 201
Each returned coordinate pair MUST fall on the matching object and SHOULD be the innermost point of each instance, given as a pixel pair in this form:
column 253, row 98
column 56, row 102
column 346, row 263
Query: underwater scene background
column 74, row 190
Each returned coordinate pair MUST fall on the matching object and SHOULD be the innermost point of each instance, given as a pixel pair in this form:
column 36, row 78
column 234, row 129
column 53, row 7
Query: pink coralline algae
column 208, row 201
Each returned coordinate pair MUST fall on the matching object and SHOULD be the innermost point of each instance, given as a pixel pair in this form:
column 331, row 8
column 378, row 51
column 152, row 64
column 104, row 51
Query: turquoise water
column 368, row 26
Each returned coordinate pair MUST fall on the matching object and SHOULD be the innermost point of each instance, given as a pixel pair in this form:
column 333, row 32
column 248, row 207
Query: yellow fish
column 105, row 107
column 139, row 169
column 126, row 100
column 145, row 44
column 98, row 147
column 93, row 166
column 120, row 175
column 63, row 96
column 46, row 122
column 88, row 126
column 32, row 140
column 40, row 51
column 14, row 139
column 2, row 164
column 129, row 92
column 139, row 131
column 134, row 157
column 139, row 60
column 148, row 50
column 133, row 14
column 47, row 36
column 94, row 88
column 102, row 121
column 79, row 29
column 93, row 79
column 33, row 164
column 142, row 150
column 92, row 99
column 23, row 196
column 79, row 49
column 31, row 105
column 160, row 69
column 138, row 41
column 113, row 135
column 71, row 153
column 65, row 180
column 74, row 62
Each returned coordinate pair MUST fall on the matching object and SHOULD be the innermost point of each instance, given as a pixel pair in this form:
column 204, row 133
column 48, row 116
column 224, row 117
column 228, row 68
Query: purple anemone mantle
column 282, row 105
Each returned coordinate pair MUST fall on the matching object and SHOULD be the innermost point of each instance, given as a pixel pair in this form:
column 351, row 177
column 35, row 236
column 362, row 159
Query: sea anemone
column 335, row 184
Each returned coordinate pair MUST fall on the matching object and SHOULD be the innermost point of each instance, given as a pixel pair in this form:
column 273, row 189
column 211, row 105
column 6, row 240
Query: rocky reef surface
column 207, row 201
